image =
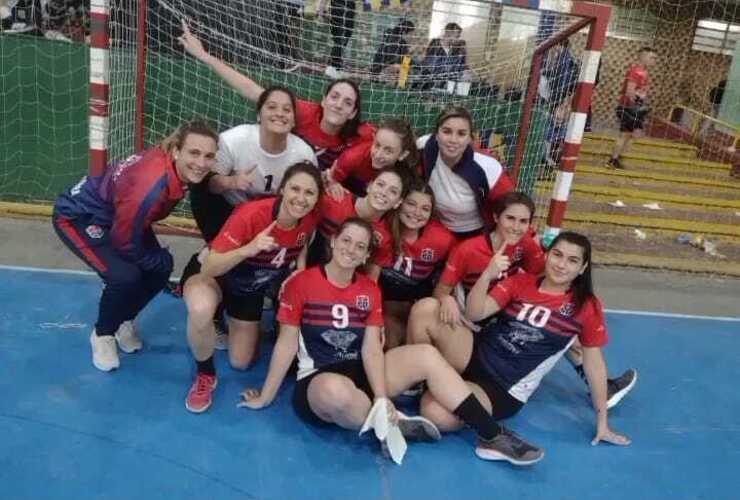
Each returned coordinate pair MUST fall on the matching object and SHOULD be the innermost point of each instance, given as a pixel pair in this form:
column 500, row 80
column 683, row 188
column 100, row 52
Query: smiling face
column 195, row 158
column 385, row 191
column 453, row 136
column 416, row 210
column 387, row 149
column 339, row 104
column 351, row 247
column 277, row 114
column 513, row 223
column 300, row 195
column 564, row 263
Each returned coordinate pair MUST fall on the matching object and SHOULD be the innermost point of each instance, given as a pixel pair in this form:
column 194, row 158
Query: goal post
column 511, row 47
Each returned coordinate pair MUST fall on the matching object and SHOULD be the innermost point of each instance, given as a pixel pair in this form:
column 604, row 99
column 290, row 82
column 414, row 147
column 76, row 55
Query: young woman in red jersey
column 420, row 248
column 509, row 249
column 330, row 317
column 106, row 220
column 329, row 126
column 384, row 193
column 261, row 243
column 538, row 319
column 394, row 143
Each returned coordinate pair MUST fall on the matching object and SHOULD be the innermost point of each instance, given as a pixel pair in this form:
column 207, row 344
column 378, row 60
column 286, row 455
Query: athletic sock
column 472, row 413
column 206, row 367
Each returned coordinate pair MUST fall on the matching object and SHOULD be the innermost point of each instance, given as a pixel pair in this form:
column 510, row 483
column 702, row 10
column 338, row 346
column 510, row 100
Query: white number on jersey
column 78, row 187
column 340, row 313
column 404, row 264
column 536, row 316
column 279, row 259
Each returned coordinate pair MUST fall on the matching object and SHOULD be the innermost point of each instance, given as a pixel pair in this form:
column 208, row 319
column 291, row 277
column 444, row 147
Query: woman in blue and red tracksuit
column 106, row 221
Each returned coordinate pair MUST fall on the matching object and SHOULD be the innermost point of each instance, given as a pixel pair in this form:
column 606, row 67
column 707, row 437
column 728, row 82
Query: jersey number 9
column 340, row 313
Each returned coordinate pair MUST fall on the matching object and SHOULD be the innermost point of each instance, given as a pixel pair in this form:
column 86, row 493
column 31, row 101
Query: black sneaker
column 619, row 387
column 615, row 163
column 510, row 447
column 418, row 428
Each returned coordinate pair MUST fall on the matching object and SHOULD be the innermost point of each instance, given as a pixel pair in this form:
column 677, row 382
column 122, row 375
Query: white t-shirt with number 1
column 239, row 150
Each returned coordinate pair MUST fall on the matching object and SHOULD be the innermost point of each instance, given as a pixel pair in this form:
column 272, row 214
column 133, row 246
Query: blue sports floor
column 70, row 431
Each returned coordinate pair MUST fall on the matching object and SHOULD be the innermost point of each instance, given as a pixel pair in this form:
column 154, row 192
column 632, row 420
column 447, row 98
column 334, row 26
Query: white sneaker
column 104, row 352
column 127, row 339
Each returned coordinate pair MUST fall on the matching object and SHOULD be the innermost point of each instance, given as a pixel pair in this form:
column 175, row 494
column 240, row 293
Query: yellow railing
column 701, row 123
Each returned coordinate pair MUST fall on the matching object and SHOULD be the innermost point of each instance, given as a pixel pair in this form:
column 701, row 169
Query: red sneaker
column 200, row 395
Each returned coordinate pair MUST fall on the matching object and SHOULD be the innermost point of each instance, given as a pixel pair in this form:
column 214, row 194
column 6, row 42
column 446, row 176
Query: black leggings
column 342, row 21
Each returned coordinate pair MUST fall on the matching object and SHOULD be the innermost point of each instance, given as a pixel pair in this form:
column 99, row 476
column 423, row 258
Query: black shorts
column 396, row 290
column 210, row 210
column 352, row 369
column 631, row 119
column 504, row 404
column 466, row 235
column 244, row 307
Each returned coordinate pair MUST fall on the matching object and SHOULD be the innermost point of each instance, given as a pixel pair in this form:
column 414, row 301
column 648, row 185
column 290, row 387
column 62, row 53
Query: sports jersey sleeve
column 384, row 255
column 594, row 333
column 352, row 160
column 455, row 268
column 501, row 187
column 292, row 300
column 136, row 202
column 239, row 229
column 505, row 291
column 375, row 318
column 534, row 256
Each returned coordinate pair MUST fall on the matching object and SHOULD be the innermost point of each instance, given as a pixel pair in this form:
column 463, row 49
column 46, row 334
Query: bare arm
column 217, row 263
column 479, row 304
column 631, row 91
column 283, row 354
column 238, row 81
column 373, row 360
column 595, row 368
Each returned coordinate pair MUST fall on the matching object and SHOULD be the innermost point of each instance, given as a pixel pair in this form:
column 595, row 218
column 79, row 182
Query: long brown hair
column 402, row 128
column 415, row 185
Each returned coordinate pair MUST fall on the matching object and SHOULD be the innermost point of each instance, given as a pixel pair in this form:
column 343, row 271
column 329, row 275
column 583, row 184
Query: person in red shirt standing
column 633, row 103
column 329, row 126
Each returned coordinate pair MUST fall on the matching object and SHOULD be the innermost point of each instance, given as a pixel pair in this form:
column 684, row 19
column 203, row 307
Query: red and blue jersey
column 532, row 331
column 260, row 273
column 127, row 199
column 419, row 259
column 356, row 162
column 326, row 146
column 334, row 212
column 471, row 257
column 332, row 320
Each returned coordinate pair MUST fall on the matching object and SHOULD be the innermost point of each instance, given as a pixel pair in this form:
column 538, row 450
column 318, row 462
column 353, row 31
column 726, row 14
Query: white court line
column 610, row 311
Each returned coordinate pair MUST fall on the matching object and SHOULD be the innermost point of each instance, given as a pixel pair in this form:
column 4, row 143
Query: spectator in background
column 341, row 18
column 392, row 48
column 445, row 58
column 716, row 95
column 633, row 103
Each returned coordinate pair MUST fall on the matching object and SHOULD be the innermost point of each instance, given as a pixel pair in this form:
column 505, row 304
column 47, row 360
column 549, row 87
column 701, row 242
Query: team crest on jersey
column 363, row 302
column 301, row 240
column 427, row 255
column 95, row 232
column 567, row 309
